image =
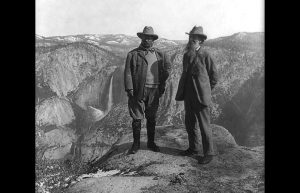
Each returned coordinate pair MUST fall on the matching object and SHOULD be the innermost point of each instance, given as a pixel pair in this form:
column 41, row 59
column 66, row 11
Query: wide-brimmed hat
column 197, row 30
column 148, row 31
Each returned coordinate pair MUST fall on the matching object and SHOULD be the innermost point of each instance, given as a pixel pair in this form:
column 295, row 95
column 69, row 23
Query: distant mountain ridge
column 121, row 44
column 111, row 42
column 130, row 40
column 243, row 40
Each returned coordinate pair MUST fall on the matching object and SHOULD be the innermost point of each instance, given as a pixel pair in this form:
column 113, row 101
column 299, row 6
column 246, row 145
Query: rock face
column 55, row 143
column 54, row 111
column 54, row 117
column 244, row 112
column 79, row 85
column 98, row 142
column 234, row 168
column 238, row 98
column 63, row 68
column 73, row 90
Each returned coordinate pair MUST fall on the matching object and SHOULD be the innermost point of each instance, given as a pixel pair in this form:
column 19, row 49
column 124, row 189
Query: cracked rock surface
column 234, row 168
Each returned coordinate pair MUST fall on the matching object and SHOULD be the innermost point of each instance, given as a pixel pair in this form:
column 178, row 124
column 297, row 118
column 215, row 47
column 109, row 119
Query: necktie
column 147, row 49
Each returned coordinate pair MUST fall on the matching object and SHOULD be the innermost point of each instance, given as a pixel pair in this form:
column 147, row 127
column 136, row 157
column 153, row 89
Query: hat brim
column 141, row 35
column 202, row 35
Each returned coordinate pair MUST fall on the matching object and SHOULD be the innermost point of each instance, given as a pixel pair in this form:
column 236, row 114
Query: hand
column 130, row 93
column 161, row 91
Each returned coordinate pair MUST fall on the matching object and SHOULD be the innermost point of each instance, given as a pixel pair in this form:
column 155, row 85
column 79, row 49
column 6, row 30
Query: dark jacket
column 203, row 73
column 136, row 70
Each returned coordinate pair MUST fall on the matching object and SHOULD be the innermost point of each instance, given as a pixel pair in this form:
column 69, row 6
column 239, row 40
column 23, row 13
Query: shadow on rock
column 122, row 150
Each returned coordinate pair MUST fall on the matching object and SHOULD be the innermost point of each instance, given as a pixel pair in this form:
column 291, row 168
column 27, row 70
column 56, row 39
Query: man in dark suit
column 199, row 77
column 145, row 74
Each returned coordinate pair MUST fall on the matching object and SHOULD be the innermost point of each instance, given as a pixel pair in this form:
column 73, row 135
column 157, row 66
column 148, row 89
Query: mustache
column 147, row 44
column 190, row 47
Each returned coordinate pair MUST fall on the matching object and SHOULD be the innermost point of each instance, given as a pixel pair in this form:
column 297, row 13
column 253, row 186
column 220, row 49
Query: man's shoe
column 188, row 152
column 153, row 147
column 134, row 149
column 206, row 159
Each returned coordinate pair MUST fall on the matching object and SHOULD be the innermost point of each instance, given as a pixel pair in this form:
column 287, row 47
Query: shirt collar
column 152, row 49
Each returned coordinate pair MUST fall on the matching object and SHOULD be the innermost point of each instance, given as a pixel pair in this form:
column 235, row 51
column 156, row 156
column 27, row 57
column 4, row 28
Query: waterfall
column 95, row 114
column 109, row 103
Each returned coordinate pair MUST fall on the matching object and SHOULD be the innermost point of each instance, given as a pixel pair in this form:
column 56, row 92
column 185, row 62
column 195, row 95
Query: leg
column 151, row 107
column 190, row 125
column 136, row 127
column 137, row 114
column 206, row 132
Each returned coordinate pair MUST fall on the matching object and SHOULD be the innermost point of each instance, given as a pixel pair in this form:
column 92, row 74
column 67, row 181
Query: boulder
column 99, row 142
column 54, row 111
column 56, row 143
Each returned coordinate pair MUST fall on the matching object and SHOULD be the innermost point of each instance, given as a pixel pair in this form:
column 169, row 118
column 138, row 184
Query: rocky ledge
column 234, row 168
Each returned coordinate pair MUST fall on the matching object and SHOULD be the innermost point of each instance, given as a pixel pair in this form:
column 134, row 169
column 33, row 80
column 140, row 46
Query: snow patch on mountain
column 92, row 42
column 125, row 42
column 39, row 37
column 57, row 38
column 167, row 41
column 72, row 38
column 120, row 36
column 112, row 42
column 93, row 37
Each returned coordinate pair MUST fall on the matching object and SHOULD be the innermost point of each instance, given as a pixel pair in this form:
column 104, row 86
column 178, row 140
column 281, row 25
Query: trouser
column 147, row 107
column 197, row 112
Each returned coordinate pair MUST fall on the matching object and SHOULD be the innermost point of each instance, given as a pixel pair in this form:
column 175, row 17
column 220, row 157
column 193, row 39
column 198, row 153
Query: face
column 195, row 40
column 147, row 41
column 148, row 38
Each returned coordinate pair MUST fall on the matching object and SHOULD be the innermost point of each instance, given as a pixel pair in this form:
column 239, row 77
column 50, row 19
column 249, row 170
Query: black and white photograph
column 149, row 96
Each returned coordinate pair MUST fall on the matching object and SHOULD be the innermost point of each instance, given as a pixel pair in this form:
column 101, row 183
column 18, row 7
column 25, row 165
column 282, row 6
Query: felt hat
column 197, row 30
column 148, row 31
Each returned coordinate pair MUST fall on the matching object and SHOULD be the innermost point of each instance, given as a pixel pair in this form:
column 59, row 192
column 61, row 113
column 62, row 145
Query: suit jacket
column 135, row 71
column 203, row 73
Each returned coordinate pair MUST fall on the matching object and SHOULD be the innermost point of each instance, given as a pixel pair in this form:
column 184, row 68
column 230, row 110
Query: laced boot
column 188, row 152
column 150, row 134
column 206, row 159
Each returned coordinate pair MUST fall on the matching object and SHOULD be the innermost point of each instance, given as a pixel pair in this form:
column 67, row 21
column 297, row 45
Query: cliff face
column 244, row 112
column 238, row 98
column 73, row 90
column 79, row 90
column 64, row 68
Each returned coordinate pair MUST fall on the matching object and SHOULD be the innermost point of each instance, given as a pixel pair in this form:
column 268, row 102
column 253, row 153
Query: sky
column 170, row 19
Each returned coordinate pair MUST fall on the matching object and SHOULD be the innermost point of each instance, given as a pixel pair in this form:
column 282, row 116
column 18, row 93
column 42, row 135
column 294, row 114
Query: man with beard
column 145, row 74
column 199, row 77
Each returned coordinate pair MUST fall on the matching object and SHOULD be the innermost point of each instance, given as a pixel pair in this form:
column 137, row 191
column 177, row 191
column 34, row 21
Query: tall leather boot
column 150, row 134
column 136, row 127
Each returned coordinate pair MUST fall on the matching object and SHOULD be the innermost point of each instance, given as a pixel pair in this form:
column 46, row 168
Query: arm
column 212, row 71
column 165, row 73
column 180, row 90
column 167, row 67
column 127, row 74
